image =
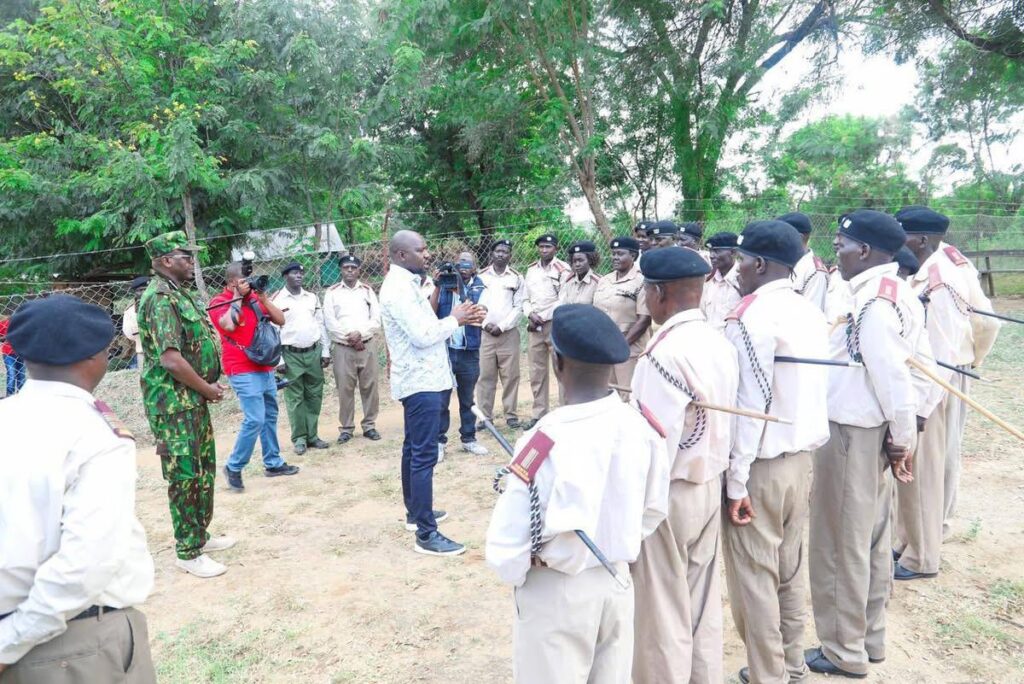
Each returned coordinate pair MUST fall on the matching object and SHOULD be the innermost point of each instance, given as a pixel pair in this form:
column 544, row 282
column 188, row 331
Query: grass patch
column 1007, row 597
column 970, row 535
column 195, row 654
column 972, row 631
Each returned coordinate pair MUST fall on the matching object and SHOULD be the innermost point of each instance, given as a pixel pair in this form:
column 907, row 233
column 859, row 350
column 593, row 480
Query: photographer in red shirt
column 254, row 384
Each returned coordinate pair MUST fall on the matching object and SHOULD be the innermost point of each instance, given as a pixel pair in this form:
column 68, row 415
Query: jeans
column 466, row 367
column 257, row 393
column 419, row 456
column 15, row 373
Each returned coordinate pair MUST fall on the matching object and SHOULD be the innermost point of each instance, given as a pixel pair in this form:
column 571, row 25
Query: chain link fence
column 969, row 233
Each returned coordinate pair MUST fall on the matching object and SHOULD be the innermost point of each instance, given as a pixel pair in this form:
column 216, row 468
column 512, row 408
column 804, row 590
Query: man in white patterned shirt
column 420, row 374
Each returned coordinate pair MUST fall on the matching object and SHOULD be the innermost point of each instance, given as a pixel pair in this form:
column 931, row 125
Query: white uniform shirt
column 69, row 538
column 416, row 338
column 778, row 322
column 810, row 279
column 883, row 391
column 721, row 295
column 838, row 299
column 503, row 297
column 130, row 327
column 542, row 286
column 303, row 320
column 351, row 309
column 607, row 474
column 984, row 329
column 694, row 353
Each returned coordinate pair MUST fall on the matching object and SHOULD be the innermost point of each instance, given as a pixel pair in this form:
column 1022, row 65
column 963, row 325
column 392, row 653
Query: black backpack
column 265, row 348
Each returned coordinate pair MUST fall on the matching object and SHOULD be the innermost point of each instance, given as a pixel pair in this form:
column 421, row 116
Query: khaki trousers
column 499, row 359
column 919, row 504
column 538, row 353
column 112, row 648
column 851, row 545
column 351, row 369
column 956, row 421
column 678, row 626
column 622, row 374
column 572, row 628
column 764, row 568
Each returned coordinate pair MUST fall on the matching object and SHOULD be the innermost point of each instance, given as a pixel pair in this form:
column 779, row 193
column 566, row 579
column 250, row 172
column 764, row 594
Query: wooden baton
column 725, row 409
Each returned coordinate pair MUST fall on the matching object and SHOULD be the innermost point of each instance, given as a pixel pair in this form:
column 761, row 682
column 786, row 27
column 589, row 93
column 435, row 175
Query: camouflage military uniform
column 169, row 318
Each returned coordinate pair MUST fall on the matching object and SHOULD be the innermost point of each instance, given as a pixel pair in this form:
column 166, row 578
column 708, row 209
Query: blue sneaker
column 436, row 544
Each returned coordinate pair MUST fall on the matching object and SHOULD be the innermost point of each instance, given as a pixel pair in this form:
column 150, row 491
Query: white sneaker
column 475, row 448
column 219, row 544
column 203, row 566
column 440, row 452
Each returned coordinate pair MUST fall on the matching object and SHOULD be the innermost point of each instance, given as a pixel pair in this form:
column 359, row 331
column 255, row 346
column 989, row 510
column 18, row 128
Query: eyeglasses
column 189, row 256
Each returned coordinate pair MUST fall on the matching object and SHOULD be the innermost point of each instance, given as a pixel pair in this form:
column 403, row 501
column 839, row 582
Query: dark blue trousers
column 419, row 456
column 466, row 367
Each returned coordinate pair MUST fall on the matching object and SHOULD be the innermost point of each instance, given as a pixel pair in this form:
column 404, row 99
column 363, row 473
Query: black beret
column 662, row 228
column 775, row 241
column 723, row 240
column 693, row 229
column 800, row 221
column 585, row 246
column 498, row 243
column 350, row 260
column 906, row 259
column 625, row 243
column 642, row 226
column 141, row 281
column 293, row 266
column 547, row 239
column 873, row 228
column 672, row 263
column 59, row 330
column 585, row 333
column 922, row 220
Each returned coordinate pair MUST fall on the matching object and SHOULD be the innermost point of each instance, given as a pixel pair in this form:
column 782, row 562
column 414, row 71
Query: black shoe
column 283, row 469
column 745, row 675
column 234, row 480
column 344, row 437
column 876, row 661
column 896, row 556
column 512, row 423
column 528, row 424
column 410, row 524
column 817, row 662
column 901, row 573
column 317, row 443
column 371, row 434
column 300, row 449
column 436, row 544
column 480, row 427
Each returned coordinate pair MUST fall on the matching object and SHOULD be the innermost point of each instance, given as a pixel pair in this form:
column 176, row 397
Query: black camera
column 257, row 283
column 448, row 277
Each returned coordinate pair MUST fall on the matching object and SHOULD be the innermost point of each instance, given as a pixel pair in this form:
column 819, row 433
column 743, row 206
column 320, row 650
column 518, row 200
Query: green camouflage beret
column 169, row 242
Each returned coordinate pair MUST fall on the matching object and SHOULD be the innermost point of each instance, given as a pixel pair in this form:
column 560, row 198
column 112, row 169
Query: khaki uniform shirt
column 350, row 309
column 624, row 301
column 721, row 295
column 503, row 297
column 576, row 291
column 542, row 287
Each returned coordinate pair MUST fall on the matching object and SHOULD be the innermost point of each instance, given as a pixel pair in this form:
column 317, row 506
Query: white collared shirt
column 503, row 297
column 883, row 391
column 698, row 356
column 130, row 327
column 810, row 279
column 303, row 320
column 416, row 338
column 69, row 538
column 721, row 295
column 777, row 322
column 542, row 286
column 351, row 309
column 607, row 474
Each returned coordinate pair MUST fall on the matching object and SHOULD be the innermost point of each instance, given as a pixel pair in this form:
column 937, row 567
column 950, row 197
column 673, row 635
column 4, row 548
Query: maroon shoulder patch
column 646, row 413
column 819, row 265
column 737, row 313
column 528, row 461
column 887, row 290
column 934, row 277
column 116, row 424
column 955, row 256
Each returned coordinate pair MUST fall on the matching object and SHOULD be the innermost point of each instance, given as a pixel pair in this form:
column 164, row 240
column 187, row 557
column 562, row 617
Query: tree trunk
column 190, row 232
column 589, row 188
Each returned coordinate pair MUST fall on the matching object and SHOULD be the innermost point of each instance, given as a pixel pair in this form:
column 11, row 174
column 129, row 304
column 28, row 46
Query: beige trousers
column 678, row 626
column 356, row 369
column 499, row 359
column 956, row 421
column 622, row 374
column 572, row 628
column 851, row 545
column 538, row 353
column 764, row 568
column 112, row 648
column 919, row 509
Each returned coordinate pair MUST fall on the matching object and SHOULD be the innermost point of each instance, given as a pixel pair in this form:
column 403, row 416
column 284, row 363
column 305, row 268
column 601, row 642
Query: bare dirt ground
column 324, row 586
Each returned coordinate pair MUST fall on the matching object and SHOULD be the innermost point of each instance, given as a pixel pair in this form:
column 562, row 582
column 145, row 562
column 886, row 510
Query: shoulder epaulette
column 646, row 413
column 887, row 290
column 514, row 272
column 559, row 266
column 115, row 423
column 819, row 265
column 833, row 269
column 934, row 277
column 737, row 313
column 335, row 286
column 955, row 256
column 528, row 461
column 364, row 285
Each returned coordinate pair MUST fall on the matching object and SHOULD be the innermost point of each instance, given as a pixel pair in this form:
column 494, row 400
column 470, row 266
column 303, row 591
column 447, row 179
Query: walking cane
column 724, row 409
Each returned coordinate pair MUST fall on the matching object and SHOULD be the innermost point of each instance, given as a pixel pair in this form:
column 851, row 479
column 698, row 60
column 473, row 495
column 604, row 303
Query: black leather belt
column 297, row 350
column 94, row 611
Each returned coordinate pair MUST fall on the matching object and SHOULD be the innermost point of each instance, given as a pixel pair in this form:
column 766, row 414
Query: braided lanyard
column 535, row 522
column 700, row 413
column 759, row 373
column 853, row 328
